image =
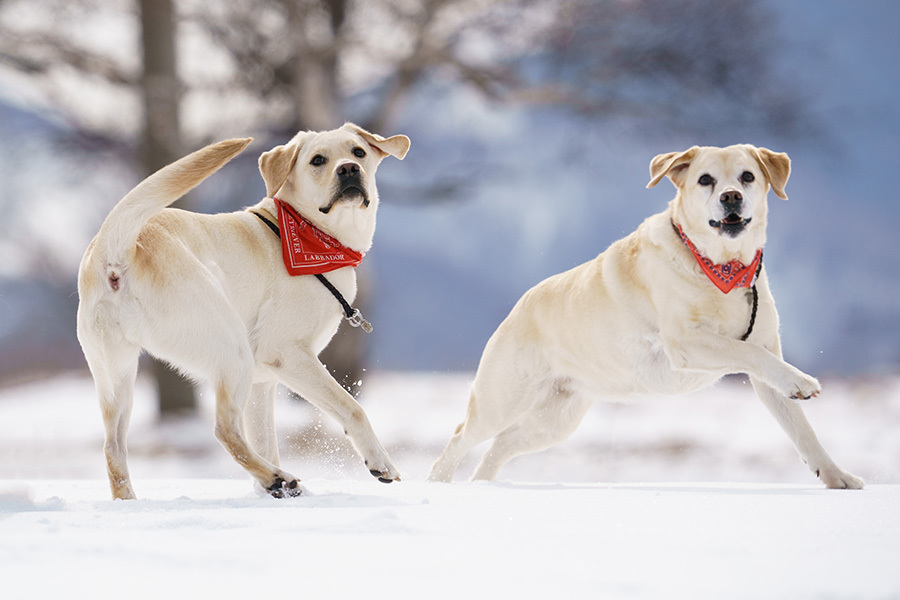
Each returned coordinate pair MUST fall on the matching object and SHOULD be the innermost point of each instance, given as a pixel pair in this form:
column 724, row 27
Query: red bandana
column 307, row 250
column 728, row 276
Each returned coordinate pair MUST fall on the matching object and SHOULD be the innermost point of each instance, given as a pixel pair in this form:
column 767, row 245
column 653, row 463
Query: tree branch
column 41, row 53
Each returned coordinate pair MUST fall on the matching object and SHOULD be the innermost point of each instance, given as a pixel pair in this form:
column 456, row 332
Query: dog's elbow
column 677, row 360
column 676, row 353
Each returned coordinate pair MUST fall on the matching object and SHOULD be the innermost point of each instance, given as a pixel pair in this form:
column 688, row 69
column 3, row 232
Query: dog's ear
column 276, row 164
column 397, row 145
column 776, row 166
column 671, row 164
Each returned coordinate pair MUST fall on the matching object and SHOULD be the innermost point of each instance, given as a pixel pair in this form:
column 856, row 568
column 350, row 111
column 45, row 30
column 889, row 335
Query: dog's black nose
column 348, row 170
column 731, row 198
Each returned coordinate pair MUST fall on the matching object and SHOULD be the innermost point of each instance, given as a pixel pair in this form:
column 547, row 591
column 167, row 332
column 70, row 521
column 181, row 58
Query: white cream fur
column 210, row 295
column 642, row 318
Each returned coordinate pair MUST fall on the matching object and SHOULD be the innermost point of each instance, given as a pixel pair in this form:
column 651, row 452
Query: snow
column 693, row 497
column 419, row 540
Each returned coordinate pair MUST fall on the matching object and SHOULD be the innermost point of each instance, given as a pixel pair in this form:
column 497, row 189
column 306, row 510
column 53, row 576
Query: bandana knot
column 306, row 249
column 728, row 276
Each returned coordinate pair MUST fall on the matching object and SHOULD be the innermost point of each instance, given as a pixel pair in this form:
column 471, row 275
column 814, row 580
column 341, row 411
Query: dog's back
column 106, row 260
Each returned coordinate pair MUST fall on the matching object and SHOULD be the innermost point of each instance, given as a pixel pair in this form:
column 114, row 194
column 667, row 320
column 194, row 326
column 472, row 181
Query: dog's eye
column 705, row 179
column 747, row 177
column 359, row 152
column 318, row 160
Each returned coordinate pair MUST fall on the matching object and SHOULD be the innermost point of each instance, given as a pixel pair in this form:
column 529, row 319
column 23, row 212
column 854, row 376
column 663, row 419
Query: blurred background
column 533, row 123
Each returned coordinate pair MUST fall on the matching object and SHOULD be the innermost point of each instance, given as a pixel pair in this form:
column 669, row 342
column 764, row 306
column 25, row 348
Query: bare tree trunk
column 314, row 77
column 314, row 81
column 161, row 144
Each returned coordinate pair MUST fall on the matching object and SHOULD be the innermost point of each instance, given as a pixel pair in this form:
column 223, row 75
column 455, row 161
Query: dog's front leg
column 792, row 420
column 302, row 371
column 705, row 351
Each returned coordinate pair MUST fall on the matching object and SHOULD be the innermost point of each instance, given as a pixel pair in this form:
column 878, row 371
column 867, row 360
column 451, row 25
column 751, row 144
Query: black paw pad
column 282, row 488
column 380, row 476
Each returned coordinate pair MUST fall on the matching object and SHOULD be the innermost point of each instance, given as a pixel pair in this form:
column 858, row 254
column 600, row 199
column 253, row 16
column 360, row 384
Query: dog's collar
column 351, row 315
column 726, row 276
column 736, row 279
column 265, row 219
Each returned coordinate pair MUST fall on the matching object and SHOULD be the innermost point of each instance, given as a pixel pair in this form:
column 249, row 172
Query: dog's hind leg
column 113, row 362
column 114, row 368
column 551, row 419
column 259, row 420
column 501, row 395
column 116, row 403
column 468, row 434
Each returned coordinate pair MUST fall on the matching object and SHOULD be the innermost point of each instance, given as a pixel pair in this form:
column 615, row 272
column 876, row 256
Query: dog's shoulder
column 651, row 246
column 658, row 233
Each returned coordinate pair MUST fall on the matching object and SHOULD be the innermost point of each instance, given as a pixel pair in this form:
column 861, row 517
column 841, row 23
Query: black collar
column 269, row 223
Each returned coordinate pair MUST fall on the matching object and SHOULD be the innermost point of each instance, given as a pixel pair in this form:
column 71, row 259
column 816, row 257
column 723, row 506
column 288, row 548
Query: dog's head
column 329, row 177
column 721, row 200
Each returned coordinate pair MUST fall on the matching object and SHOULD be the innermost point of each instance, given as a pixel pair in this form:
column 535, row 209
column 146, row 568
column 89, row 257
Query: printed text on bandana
column 306, row 249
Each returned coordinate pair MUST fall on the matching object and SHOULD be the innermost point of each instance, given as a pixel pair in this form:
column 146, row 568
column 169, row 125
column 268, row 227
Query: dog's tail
column 119, row 233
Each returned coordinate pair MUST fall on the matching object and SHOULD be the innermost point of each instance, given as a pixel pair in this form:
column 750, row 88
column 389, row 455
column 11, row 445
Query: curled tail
column 119, row 233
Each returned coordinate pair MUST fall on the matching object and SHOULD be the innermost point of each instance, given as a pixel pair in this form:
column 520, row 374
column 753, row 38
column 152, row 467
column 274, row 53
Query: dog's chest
column 303, row 309
column 724, row 314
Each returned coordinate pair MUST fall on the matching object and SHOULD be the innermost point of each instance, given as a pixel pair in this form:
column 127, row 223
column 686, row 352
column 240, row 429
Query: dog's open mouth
column 731, row 225
column 348, row 193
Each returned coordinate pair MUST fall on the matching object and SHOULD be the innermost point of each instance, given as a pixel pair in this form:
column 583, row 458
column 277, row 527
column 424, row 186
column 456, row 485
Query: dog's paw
column 282, row 488
column 837, row 479
column 800, row 386
column 384, row 477
column 122, row 490
column 385, row 474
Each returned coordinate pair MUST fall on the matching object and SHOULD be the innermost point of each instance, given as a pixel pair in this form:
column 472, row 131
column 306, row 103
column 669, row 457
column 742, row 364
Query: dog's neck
column 716, row 248
column 712, row 243
column 352, row 227
column 725, row 276
column 721, row 249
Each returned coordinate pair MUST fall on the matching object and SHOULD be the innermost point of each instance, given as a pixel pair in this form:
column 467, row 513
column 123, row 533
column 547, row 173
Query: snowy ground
column 694, row 497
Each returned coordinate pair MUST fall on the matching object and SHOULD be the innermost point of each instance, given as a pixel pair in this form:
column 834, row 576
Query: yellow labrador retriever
column 212, row 295
column 669, row 309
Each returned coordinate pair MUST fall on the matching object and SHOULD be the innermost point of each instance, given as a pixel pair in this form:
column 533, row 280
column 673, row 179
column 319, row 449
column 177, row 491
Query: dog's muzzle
column 350, row 187
column 733, row 224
